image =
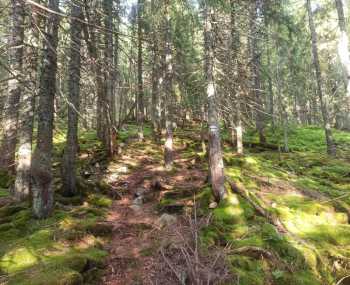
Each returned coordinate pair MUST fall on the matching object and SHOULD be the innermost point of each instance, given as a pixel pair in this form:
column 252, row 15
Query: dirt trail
column 137, row 235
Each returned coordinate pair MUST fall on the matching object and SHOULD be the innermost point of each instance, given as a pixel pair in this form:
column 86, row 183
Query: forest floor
column 136, row 223
column 140, row 227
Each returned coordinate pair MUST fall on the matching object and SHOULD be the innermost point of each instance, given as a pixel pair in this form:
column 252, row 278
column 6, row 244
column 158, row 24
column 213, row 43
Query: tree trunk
column 156, row 80
column 331, row 148
column 108, row 100
column 41, row 166
column 344, row 56
column 70, row 152
column 239, row 128
column 91, row 42
column 11, row 107
column 156, row 83
column 216, row 164
column 235, row 88
column 168, row 86
column 140, row 103
column 256, row 18
column 26, row 113
column 116, row 73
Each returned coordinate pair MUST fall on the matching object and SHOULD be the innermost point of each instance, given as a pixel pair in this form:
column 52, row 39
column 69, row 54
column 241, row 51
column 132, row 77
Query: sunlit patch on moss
column 18, row 259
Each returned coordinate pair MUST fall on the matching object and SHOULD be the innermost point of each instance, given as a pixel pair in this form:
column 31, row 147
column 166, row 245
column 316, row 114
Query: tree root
column 240, row 190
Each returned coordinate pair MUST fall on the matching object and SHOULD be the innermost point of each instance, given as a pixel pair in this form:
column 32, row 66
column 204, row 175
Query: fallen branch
column 253, row 251
column 269, row 216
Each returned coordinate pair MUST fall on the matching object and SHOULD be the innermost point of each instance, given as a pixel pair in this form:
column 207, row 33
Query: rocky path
column 140, row 229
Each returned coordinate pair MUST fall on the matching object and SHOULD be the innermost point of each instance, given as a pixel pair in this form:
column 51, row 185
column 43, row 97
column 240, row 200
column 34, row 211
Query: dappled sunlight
column 18, row 259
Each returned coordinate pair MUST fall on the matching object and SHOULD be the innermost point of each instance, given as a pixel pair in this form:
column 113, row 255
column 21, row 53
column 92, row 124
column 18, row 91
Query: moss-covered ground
column 309, row 192
column 306, row 189
column 66, row 248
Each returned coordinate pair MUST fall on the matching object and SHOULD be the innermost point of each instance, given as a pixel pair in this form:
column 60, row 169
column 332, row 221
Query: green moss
column 230, row 211
column 4, row 192
column 75, row 200
column 99, row 200
column 47, row 276
column 9, row 210
column 22, row 218
column 298, row 278
column 18, row 259
column 5, row 179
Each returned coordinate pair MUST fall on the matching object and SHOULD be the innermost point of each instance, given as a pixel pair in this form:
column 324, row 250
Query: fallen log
column 261, row 145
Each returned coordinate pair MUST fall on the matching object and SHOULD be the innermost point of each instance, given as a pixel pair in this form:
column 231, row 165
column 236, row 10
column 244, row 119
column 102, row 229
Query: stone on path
column 166, row 220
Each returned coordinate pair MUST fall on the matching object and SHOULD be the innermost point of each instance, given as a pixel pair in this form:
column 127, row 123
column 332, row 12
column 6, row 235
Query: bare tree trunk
column 235, row 44
column 41, row 165
column 331, row 148
column 168, row 85
column 216, row 164
column 108, row 100
column 92, row 41
column 70, row 152
column 256, row 18
column 11, row 107
column 271, row 107
column 239, row 128
column 116, row 73
column 26, row 114
column 344, row 56
column 140, row 103
column 156, row 80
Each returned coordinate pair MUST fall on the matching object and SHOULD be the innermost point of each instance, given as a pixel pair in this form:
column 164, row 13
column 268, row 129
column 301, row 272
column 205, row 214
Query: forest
column 174, row 142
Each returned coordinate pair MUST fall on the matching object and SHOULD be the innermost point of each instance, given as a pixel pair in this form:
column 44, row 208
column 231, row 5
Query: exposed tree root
column 240, row 190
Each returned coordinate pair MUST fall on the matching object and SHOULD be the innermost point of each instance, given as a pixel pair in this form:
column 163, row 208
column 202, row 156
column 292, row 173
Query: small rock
column 113, row 177
column 166, row 220
column 123, row 170
column 138, row 201
column 213, row 205
column 136, row 208
column 140, row 192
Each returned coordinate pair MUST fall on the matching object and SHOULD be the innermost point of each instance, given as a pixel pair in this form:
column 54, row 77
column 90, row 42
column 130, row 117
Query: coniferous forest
column 174, row 142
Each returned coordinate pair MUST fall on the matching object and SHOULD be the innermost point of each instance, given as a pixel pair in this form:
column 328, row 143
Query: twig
column 170, row 266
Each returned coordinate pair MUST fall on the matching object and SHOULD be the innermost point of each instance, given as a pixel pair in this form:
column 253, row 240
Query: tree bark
column 168, row 85
column 26, row 112
column 331, row 148
column 71, row 149
column 216, row 164
column 140, row 103
column 41, row 165
column 92, row 41
column 11, row 106
column 108, row 100
column 156, row 80
column 235, row 44
column 255, row 26
column 344, row 55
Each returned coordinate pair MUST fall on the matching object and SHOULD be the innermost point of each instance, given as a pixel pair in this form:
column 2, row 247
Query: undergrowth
column 308, row 191
column 66, row 248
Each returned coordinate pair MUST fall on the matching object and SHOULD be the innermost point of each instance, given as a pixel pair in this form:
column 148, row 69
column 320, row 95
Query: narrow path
column 138, row 232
